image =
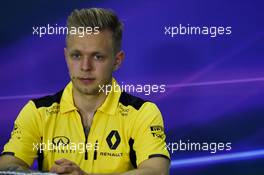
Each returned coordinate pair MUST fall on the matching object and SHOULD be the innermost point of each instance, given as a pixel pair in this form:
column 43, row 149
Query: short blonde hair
column 105, row 19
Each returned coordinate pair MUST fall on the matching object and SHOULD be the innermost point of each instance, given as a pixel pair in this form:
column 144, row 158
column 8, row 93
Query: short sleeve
column 148, row 134
column 26, row 135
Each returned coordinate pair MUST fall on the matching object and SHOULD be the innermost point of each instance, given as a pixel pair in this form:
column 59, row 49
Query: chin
column 88, row 90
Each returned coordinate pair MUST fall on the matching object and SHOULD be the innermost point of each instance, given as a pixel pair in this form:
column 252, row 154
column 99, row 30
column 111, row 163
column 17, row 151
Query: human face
column 91, row 61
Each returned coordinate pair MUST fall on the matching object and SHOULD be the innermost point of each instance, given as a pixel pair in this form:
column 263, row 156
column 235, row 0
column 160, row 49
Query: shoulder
column 140, row 105
column 47, row 101
column 131, row 100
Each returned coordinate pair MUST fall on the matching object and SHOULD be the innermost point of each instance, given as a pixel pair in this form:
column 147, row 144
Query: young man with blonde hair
column 81, row 129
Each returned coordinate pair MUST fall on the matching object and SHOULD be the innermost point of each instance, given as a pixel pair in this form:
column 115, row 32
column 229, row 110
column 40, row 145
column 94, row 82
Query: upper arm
column 9, row 162
column 149, row 136
column 25, row 135
column 159, row 165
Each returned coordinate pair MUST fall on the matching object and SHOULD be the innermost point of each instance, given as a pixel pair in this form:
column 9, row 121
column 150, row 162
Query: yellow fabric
column 60, row 123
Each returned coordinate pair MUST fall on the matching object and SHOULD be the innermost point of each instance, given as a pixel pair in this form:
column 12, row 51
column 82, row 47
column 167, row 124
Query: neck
column 88, row 103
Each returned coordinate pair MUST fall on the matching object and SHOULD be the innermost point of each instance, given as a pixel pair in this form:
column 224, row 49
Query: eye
column 75, row 56
column 98, row 57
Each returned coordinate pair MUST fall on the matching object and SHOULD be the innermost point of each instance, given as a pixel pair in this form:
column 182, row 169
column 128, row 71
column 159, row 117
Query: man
column 83, row 129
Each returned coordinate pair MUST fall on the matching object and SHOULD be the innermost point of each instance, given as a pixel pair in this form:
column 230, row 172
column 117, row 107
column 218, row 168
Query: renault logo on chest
column 113, row 139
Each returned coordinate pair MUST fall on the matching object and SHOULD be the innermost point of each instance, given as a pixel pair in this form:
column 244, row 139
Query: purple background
column 214, row 85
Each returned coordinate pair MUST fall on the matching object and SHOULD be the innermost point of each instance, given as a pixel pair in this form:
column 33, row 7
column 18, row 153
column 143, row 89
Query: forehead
column 91, row 42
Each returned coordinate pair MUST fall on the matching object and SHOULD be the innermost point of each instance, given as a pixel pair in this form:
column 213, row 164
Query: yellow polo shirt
column 125, row 131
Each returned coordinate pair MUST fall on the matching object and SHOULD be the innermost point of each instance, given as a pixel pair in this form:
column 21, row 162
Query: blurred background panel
column 214, row 85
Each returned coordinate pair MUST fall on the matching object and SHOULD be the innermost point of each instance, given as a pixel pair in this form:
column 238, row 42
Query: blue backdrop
column 214, row 85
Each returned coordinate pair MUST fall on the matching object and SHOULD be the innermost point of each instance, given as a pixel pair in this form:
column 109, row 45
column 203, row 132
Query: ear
column 66, row 55
column 119, row 57
column 65, row 52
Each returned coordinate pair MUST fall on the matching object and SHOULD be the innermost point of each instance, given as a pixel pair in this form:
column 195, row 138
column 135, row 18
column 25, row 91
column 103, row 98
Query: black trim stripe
column 132, row 153
column 8, row 153
column 40, row 157
column 159, row 155
column 127, row 99
column 48, row 100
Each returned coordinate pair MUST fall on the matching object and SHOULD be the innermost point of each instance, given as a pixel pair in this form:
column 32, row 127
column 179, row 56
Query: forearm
column 13, row 167
column 11, row 163
column 153, row 166
column 141, row 171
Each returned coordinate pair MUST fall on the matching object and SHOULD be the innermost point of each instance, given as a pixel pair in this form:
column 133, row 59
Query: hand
column 65, row 166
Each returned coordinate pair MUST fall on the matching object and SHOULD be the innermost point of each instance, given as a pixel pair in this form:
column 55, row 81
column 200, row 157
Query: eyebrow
column 97, row 52
column 92, row 53
column 75, row 50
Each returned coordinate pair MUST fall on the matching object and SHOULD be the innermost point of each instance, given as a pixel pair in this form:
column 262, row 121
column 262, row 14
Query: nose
column 86, row 64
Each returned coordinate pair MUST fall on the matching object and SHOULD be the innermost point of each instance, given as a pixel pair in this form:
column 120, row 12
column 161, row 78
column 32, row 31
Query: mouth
column 85, row 80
